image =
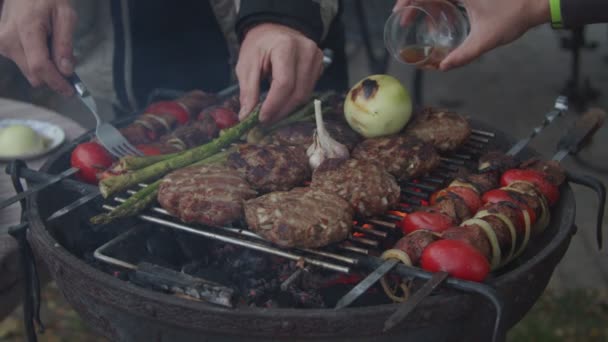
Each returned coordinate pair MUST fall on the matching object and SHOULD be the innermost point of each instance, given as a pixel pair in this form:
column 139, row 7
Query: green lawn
column 567, row 316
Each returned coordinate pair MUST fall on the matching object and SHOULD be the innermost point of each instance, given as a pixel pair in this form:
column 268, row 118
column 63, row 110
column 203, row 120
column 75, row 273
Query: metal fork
column 108, row 135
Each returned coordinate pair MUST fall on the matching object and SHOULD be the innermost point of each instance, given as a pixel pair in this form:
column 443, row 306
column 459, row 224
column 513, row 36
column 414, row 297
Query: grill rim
column 46, row 245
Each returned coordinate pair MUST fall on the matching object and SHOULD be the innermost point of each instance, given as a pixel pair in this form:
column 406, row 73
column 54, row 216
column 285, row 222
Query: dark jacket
column 127, row 48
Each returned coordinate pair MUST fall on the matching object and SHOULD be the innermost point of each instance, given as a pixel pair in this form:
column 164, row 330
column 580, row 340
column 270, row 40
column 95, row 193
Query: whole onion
column 378, row 105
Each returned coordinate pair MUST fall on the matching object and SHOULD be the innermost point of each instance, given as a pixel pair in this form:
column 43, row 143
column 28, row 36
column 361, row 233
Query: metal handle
column 81, row 89
column 582, row 130
column 599, row 188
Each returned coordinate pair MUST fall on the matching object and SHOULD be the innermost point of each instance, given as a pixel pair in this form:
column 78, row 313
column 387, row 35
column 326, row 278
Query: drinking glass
column 425, row 32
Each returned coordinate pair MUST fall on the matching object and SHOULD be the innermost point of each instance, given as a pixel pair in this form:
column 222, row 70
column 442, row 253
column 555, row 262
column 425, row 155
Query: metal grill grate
column 367, row 236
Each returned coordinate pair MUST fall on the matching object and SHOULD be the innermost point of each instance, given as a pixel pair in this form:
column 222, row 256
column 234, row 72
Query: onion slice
column 545, row 216
column 512, row 230
column 528, row 224
column 487, row 228
column 392, row 293
column 457, row 182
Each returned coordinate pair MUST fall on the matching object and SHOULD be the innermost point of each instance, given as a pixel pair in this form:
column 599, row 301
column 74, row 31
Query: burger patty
column 271, row 167
column 302, row 217
column 368, row 188
column 211, row 194
column 405, row 157
column 445, row 130
column 301, row 134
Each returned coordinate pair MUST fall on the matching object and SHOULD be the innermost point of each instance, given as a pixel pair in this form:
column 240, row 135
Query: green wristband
column 556, row 14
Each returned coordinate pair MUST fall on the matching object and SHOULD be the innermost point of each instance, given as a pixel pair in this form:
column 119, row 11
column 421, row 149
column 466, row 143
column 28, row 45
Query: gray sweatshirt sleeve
column 577, row 13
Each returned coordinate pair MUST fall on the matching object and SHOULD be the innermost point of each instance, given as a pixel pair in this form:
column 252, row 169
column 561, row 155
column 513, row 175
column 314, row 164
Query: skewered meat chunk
column 271, row 167
column 445, row 130
column 414, row 243
column 366, row 186
column 302, row 217
column 404, row 156
column 189, row 136
column 482, row 182
column 452, row 205
column 555, row 173
column 301, row 134
column 194, row 101
column 497, row 160
column 473, row 235
column 211, row 194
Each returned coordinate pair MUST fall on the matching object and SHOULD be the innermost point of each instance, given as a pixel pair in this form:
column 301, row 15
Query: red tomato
column 499, row 195
column 91, row 159
column 468, row 195
column 224, row 117
column 435, row 222
column 149, row 150
column 456, row 257
column 173, row 108
column 537, row 178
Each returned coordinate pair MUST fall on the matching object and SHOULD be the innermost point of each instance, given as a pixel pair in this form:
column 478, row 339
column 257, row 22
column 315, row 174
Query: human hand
column 493, row 23
column 37, row 36
column 292, row 61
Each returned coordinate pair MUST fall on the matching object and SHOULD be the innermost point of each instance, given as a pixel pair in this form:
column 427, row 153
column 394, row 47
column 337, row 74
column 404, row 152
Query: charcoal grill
column 122, row 311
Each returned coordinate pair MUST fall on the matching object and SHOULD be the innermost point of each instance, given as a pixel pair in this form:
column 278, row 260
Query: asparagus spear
column 112, row 185
column 140, row 200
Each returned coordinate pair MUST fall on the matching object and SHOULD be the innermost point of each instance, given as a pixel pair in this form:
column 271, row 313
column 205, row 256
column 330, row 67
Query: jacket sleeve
column 311, row 17
column 577, row 13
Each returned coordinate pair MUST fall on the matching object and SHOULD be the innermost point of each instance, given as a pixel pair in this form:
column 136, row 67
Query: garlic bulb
column 323, row 146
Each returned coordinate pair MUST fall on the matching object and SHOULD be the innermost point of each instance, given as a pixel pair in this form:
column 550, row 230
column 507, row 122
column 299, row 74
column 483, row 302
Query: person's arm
column 280, row 40
column 577, row 13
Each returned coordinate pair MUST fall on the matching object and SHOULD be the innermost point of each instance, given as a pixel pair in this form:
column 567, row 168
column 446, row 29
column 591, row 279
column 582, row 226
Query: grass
column 573, row 315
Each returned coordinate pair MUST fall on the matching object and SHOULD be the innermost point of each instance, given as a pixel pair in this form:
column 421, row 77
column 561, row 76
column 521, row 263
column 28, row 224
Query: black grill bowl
column 124, row 312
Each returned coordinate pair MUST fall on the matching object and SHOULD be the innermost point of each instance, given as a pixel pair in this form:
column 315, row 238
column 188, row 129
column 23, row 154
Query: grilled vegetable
column 149, row 150
column 377, row 106
column 458, row 258
column 323, row 146
column 502, row 195
column 425, row 220
column 91, row 159
column 224, row 117
column 116, row 184
column 467, row 194
column 536, row 178
column 178, row 111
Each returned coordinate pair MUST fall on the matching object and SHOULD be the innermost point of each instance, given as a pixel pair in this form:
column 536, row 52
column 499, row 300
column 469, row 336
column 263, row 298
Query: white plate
column 53, row 135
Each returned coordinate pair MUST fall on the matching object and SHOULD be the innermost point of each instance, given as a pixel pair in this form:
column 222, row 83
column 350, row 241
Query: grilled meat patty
column 302, row 217
column 301, row 134
column 211, row 194
column 271, row 167
column 366, row 186
column 405, row 157
column 445, row 130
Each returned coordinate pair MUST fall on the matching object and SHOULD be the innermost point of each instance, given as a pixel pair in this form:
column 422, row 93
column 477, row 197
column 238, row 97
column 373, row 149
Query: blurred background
column 511, row 88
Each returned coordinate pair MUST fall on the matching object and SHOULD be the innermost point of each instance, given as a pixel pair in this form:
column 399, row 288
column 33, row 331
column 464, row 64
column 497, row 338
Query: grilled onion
column 487, row 228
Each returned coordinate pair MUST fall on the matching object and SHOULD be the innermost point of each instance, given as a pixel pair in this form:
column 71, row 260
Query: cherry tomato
column 91, row 159
column 224, row 117
column 173, row 108
column 456, row 257
column 537, row 178
column 435, row 222
column 500, row 195
column 149, row 150
column 468, row 195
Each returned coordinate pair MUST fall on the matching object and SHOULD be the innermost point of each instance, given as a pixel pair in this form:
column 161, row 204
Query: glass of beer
column 425, row 32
